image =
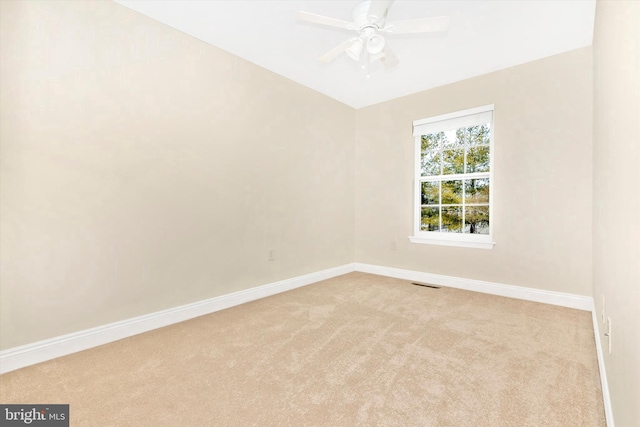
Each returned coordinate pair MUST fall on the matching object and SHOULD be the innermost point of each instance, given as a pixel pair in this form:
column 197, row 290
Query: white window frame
column 445, row 122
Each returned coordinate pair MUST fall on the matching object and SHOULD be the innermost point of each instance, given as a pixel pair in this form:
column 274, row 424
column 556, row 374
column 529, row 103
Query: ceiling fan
column 369, row 23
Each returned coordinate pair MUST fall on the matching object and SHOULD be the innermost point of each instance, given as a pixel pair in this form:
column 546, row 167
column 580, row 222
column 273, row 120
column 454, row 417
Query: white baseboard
column 530, row 294
column 606, row 397
column 41, row 351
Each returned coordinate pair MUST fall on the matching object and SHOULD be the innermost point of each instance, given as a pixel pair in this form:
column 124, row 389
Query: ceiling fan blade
column 378, row 11
column 389, row 60
column 336, row 51
column 423, row 25
column 324, row 20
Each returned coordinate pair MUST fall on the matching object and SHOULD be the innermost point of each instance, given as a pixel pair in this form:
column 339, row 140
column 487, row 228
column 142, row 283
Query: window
column 453, row 179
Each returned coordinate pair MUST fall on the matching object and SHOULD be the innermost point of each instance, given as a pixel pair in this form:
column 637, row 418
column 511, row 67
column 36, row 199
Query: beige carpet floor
column 356, row 350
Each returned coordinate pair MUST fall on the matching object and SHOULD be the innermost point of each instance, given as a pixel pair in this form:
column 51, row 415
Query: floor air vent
column 425, row 285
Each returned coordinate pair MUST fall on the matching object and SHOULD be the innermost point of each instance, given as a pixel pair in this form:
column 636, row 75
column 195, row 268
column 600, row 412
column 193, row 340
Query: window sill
column 446, row 242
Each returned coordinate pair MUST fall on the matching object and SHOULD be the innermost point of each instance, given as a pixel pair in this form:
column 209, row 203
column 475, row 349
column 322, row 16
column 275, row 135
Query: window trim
column 480, row 241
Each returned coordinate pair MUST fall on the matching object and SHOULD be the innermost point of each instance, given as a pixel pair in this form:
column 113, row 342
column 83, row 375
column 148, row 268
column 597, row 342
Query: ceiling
column 483, row 36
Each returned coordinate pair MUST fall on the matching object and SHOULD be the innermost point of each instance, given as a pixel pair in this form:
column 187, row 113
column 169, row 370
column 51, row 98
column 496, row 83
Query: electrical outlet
column 272, row 255
column 603, row 311
column 394, row 245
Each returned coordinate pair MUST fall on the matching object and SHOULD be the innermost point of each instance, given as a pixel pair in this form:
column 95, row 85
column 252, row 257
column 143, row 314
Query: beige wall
column 616, row 195
column 542, row 177
column 143, row 169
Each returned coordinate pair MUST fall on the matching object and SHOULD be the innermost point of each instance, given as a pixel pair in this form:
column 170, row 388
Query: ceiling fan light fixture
column 355, row 49
column 375, row 44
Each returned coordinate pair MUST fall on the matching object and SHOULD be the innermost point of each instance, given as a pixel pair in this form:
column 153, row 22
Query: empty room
column 320, row 213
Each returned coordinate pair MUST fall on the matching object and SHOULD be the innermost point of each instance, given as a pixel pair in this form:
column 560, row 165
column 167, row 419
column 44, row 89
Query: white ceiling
column 484, row 36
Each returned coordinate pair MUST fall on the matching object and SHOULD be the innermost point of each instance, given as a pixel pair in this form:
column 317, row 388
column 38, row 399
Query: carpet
column 355, row 350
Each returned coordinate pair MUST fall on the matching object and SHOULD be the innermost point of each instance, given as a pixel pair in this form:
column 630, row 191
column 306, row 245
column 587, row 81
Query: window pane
column 452, row 192
column 474, row 135
column 430, row 220
column 481, row 135
column 430, row 153
column 450, row 140
column 430, row 163
column 430, row 159
column 431, row 193
column 452, row 219
column 476, row 220
column 476, row 190
column 453, row 161
column 432, row 141
column 478, row 159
